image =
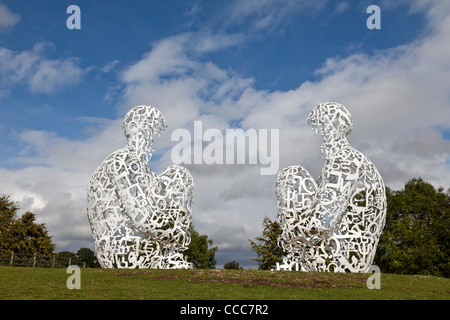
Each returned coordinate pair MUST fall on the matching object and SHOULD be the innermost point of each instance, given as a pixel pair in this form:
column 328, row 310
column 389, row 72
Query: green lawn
column 41, row 283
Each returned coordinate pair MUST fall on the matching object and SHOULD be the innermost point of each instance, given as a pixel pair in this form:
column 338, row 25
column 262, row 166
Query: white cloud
column 341, row 7
column 38, row 73
column 109, row 66
column 7, row 18
column 54, row 179
column 173, row 77
column 176, row 56
column 267, row 14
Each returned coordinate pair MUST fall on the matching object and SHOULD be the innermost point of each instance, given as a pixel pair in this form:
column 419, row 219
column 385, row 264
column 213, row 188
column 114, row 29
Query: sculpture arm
column 175, row 192
column 132, row 184
column 338, row 182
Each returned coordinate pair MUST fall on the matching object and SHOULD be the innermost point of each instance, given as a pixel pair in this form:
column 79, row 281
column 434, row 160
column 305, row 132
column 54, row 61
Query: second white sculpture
column 333, row 224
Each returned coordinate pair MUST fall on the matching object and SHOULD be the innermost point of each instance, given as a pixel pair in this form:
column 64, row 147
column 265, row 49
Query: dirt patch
column 126, row 274
column 249, row 283
column 303, row 280
column 132, row 273
column 166, row 277
column 252, row 279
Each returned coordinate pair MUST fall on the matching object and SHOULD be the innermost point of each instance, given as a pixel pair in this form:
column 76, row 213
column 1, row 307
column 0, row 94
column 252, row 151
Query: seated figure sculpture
column 333, row 224
column 139, row 219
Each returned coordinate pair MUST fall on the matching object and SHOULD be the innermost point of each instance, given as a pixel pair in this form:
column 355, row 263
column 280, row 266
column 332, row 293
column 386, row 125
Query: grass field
column 42, row 284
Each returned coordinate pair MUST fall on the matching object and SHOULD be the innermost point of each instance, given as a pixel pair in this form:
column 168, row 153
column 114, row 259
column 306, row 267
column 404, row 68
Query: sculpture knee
column 175, row 170
column 295, row 182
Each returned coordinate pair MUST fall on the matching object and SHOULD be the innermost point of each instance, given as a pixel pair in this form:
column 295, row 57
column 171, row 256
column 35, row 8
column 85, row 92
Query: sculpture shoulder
column 347, row 157
column 120, row 154
column 110, row 166
column 352, row 162
column 360, row 160
column 178, row 172
column 101, row 178
column 117, row 160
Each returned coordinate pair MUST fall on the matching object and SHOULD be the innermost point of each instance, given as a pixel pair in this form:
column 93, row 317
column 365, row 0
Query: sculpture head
column 331, row 120
column 140, row 125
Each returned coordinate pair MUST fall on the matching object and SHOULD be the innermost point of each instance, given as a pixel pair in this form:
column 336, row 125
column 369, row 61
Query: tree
column 416, row 237
column 22, row 235
column 88, row 256
column 66, row 255
column 232, row 265
column 30, row 237
column 200, row 252
column 8, row 211
column 268, row 251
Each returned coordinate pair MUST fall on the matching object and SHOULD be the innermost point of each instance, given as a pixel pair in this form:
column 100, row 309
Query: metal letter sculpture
column 333, row 224
column 140, row 219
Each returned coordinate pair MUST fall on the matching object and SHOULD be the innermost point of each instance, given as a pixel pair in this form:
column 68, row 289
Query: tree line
column 415, row 239
column 22, row 235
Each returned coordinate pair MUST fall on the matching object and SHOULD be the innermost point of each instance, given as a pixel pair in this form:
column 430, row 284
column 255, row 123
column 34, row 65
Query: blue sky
column 117, row 33
column 256, row 64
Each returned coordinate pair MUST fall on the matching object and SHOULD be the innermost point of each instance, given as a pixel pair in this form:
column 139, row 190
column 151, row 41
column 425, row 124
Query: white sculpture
column 333, row 224
column 140, row 219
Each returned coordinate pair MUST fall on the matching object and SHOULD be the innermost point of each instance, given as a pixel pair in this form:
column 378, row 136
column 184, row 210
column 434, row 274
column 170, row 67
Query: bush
column 232, row 265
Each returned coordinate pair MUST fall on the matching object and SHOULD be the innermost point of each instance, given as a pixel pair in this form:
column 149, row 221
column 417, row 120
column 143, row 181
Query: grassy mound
column 41, row 283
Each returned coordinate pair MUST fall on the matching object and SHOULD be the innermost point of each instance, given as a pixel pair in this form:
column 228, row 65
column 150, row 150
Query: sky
column 250, row 64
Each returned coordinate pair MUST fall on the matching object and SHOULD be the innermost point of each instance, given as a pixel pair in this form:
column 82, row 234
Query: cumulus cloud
column 38, row 73
column 7, row 18
column 173, row 76
column 54, row 177
column 398, row 99
column 268, row 14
